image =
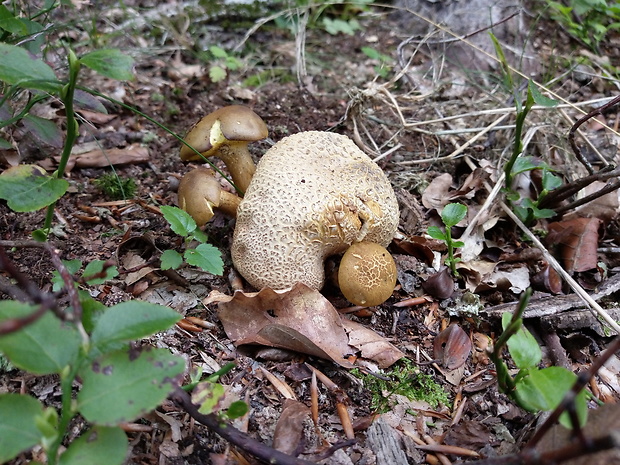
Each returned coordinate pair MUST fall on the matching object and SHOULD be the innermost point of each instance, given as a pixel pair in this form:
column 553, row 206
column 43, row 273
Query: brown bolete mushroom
column 367, row 274
column 313, row 195
column 199, row 193
column 226, row 133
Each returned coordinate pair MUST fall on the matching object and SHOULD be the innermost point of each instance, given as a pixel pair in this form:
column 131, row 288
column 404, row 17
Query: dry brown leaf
column 299, row 319
column 290, row 426
column 98, row 158
column 436, row 194
column 578, row 240
column 302, row 320
column 452, row 347
column 371, row 345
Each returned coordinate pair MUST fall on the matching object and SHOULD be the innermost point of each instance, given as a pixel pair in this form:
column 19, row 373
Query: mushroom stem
column 199, row 193
column 238, row 160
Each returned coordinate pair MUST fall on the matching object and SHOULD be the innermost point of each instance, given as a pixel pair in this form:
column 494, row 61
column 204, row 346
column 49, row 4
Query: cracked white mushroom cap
column 313, row 195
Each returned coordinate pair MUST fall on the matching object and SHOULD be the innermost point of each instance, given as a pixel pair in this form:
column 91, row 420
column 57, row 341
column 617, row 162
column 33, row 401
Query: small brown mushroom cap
column 313, row 195
column 367, row 274
column 226, row 133
column 199, row 193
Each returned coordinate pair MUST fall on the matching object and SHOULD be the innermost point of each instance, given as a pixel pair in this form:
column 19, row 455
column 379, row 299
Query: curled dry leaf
column 452, row 347
column 440, row 284
column 290, row 426
column 578, row 239
column 300, row 319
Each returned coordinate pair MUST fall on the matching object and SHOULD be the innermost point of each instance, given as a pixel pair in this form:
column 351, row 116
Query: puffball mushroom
column 367, row 274
column 226, row 133
column 199, row 193
column 313, row 195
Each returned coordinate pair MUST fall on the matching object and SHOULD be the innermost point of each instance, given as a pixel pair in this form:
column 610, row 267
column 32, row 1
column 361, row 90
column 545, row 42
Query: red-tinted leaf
column 440, row 285
column 452, row 346
column 578, row 242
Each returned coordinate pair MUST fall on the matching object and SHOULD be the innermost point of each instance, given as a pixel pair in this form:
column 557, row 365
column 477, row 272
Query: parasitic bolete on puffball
column 226, row 133
column 199, row 193
column 313, row 195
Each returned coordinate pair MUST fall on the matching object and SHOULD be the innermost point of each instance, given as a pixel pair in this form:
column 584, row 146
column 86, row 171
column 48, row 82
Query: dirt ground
column 341, row 91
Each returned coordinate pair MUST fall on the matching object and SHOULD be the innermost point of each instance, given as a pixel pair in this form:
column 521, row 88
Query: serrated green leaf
column 101, row 444
column 18, row 428
column 200, row 236
column 111, row 63
column 453, row 213
column 179, row 220
column 132, row 320
column 217, row 73
column 17, row 66
column 96, row 267
column 207, row 257
column 43, row 347
column 436, row 233
column 170, row 259
column 523, row 347
column 44, row 130
column 121, row 386
column 28, row 188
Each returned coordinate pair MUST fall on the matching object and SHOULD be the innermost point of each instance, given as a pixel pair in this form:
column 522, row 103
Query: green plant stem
column 66, row 94
column 505, row 381
column 451, row 252
column 66, row 413
column 518, row 146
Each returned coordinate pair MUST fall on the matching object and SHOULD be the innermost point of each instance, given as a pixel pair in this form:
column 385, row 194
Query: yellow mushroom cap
column 367, row 274
column 234, row 123
column 313, row 195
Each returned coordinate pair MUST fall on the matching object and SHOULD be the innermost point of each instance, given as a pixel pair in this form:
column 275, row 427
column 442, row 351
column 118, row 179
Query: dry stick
column 259, row 450
column 580, row 121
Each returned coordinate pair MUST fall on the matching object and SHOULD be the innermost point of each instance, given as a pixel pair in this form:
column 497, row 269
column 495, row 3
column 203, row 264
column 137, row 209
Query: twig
column 580, row 121
column 257, row 449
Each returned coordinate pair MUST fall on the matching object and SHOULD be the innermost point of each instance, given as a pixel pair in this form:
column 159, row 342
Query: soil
column 341, row 92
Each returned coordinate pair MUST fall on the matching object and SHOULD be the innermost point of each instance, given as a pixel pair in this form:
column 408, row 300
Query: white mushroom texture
column 313, row 195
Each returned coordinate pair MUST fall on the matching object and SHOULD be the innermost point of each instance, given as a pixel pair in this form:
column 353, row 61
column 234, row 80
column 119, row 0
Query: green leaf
column 217, row 73
column 28, row 188
column 539, row 98
column 200, row 236
column 96, row 267
column 550, row 181
column 543, row 390
column 10, row 23
column 179, row 220
column 237, row 409
column 436, row 233
column 44, row 130
column 207, row 257
column 132, row 320
column 171, row 259
column 208, row 395
column 73, row 266
column 523, row 164
column 523, row 347
column 100, row 444
column 18, row 428
column 453, row 213
column 43, row 347
column 111, row 63
column 5, row 144
column 218, row 52
column 121, row 386
column 17, row 66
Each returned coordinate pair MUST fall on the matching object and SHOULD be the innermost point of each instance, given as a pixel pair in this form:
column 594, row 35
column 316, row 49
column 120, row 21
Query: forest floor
column 441, row 133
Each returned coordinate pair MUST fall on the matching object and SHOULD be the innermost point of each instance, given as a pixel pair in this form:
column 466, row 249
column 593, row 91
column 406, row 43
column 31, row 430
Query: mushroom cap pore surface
column 236, row 123
column 313, row 195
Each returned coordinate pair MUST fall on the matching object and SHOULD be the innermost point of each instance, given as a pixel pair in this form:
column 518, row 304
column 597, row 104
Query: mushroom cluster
column 313, row 195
